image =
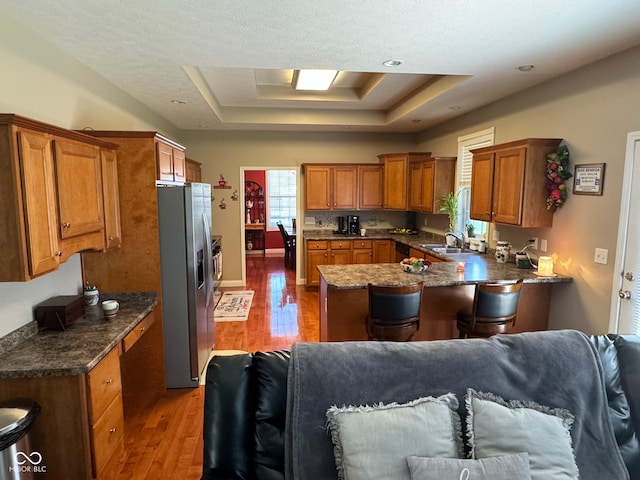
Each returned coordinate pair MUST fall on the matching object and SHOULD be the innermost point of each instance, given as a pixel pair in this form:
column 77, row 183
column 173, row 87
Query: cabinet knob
column 111, row 237
column 58, row 253
column 112, row 430
column 110, row 381
column 66, row 225
column 142, row 329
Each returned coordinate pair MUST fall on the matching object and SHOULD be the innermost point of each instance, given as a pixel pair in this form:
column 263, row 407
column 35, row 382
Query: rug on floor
column 233, row 306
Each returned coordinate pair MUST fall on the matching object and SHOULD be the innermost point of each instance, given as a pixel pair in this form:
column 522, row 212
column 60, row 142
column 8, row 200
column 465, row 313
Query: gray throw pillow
column 373, row 442
column 497, row 427
column 505, row 467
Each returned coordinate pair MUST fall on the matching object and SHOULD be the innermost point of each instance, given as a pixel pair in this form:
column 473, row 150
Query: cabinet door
column 317, row 183
column 39, row 199
column 79, row 188
column 370, row 187
column 344, row 189
column 112, row 233
column 508, row 185
column 362, row 251
column 395, row 182
column 481, row 187
column 383, row 251
column 179, row 167
column 164, row 158
column 415, row 186
column 315, row 257
column 194, row 171
column 428, row 182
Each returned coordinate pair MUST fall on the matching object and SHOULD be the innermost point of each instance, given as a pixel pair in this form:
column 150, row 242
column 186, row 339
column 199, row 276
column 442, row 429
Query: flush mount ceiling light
column 392, row 63
column 313, row 79
column 525, row 68
column 178, row 102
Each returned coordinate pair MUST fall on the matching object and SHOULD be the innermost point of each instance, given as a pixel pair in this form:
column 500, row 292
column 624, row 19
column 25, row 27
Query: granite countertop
column 78, row 349
column 478, row 268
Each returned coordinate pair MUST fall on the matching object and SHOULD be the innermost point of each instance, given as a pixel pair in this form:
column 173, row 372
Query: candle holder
column 545, row 267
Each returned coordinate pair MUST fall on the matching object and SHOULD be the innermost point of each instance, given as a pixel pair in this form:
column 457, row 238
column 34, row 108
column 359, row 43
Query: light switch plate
column 543, row 244
column 496, row 235
column 309, row 220
column 602, row 256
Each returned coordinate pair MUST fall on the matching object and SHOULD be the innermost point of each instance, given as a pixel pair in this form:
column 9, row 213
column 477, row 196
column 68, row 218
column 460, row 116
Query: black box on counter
column 59, row 313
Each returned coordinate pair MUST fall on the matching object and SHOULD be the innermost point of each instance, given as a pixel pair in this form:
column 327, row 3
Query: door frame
column 299, row 223
column 633, row 138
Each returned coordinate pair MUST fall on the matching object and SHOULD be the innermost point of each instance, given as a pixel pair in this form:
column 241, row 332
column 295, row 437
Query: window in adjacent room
column 281, row 197
column 467, row 143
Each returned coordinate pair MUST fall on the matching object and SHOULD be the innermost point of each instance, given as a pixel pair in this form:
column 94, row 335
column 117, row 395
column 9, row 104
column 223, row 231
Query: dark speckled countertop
column 78, row 349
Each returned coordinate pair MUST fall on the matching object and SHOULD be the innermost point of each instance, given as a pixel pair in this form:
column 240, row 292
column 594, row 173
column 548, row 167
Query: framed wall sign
column 588, row 179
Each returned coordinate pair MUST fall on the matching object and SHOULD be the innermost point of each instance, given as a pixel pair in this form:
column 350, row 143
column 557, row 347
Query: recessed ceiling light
column 203, row 126
column 313, row 79
column 392, row 63
column 178, row 102
column 526, row 68
column 455, row 107
column 416, row 120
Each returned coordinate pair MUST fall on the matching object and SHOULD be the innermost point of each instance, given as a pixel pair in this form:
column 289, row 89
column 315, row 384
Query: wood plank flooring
column 164, row 442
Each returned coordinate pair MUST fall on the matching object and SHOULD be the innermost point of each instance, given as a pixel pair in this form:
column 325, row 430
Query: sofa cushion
column 504, row 467
column 373, row 442
column 497, row 427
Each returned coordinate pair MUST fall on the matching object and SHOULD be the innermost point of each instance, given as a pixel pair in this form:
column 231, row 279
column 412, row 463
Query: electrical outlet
column 426, row 221
column 496, row 235
column 543, row 244
column 602, row 256
column 533, row 241
column 309, row 220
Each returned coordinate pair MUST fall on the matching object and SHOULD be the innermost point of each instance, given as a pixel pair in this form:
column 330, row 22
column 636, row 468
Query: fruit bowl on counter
column 415, row 265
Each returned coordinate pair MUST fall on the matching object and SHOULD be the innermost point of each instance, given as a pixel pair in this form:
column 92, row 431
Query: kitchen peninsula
column 344, row 296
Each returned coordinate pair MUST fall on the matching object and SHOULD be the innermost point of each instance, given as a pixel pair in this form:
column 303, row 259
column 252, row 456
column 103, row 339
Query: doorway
column 625, row 295
column 280, row 204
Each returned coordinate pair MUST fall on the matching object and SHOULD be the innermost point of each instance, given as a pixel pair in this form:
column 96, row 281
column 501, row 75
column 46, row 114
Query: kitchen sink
column 451, row 250
column 432, row 245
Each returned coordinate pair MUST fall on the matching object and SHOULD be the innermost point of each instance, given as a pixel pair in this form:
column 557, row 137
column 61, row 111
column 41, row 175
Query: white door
column 625, row 296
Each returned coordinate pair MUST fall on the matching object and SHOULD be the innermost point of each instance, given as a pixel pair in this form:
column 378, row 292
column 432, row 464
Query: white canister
column 503, row 249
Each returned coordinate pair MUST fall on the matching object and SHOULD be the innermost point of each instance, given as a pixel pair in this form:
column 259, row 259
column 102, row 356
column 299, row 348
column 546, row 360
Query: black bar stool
column 394, row 312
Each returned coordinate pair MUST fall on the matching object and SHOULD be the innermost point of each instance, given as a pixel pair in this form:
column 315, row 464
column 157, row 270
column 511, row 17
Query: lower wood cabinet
column 362, row 251
column 81, row 425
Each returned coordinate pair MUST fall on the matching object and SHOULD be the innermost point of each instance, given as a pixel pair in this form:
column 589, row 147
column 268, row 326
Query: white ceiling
column 231, row 61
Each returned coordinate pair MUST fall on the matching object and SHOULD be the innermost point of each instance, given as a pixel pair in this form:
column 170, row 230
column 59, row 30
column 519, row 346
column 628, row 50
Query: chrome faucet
column 459, row 238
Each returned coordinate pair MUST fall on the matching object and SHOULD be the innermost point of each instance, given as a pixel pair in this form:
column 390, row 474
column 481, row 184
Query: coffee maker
column 353, row 224
column 343, row 227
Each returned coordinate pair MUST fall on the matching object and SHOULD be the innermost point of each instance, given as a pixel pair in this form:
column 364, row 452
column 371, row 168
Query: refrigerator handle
column 208, row 260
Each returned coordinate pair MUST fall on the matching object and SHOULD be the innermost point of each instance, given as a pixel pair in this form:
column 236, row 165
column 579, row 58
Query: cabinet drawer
column 362, row 243
column 104, row 384
column 107, row 434
column 134, row 335
column 340, row 245
column 317, row 245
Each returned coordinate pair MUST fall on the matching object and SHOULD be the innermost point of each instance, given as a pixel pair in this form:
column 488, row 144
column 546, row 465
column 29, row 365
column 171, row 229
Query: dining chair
column 289, row 247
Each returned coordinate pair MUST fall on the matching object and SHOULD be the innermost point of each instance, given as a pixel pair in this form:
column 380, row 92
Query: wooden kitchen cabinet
column 362, row 251
column 317, row 254
column 383, row 251
column 111, row 200
column 193, row 171
column 508, row 183
column 171, row 160
column 339, row 252
column 51, row 196
column 396, row 178
column 331, row 187
column 429, row 180
column 370, row 187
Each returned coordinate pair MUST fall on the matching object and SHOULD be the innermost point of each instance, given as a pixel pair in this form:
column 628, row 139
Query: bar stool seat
column 394, row 312
column 493, row 311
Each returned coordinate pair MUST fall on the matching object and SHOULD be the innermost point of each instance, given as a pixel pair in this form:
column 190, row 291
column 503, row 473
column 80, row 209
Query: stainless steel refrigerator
column 187, row 280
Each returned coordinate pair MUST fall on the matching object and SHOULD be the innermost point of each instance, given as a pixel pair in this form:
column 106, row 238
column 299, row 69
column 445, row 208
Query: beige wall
column 592, row 109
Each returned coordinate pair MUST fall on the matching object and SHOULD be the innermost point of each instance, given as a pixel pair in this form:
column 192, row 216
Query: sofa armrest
column 228, row 418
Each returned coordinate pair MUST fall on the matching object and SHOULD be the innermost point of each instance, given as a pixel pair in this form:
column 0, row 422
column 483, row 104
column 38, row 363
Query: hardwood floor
column 164, row 442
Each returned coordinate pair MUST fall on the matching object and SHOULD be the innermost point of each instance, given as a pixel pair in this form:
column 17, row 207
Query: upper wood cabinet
column 508, row 183
column 331, row 187
column 370, row 187
column 429, row 180
column 396, row 178
column 111, row 200
column 51, row 196
column 193, row 171
column 171, row 160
